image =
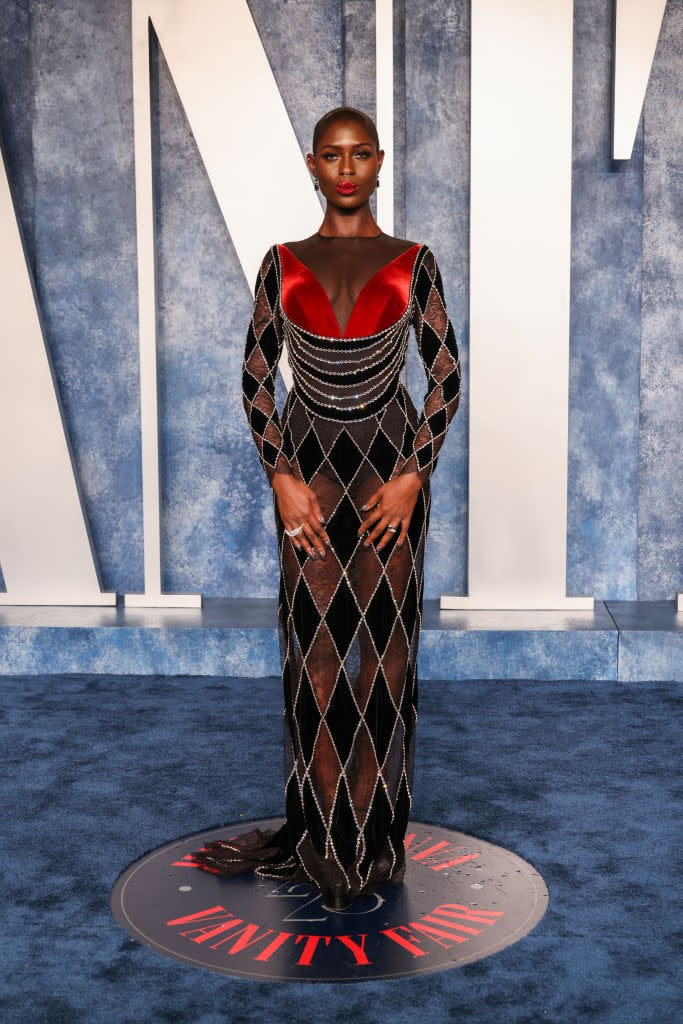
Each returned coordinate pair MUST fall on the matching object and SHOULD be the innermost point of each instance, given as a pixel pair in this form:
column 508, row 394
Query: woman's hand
column 297, row 503
column 391, row 504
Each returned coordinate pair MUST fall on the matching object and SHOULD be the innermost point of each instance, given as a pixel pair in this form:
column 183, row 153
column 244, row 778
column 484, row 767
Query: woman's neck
column 377, row 235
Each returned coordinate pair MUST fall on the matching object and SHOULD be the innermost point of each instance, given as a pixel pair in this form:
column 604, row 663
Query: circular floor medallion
column 462, row 899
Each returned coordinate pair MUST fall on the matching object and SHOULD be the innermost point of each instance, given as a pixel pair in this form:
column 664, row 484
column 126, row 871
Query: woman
column 349, row 463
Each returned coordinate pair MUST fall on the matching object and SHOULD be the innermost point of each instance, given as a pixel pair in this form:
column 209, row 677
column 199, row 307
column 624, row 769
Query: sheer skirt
column 349, row 628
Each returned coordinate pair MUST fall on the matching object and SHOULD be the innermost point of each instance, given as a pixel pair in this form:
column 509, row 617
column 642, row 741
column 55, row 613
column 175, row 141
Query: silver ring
column 293, row 533
column 392, row 528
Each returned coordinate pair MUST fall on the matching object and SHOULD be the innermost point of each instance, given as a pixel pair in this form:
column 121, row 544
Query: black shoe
column 337, row 899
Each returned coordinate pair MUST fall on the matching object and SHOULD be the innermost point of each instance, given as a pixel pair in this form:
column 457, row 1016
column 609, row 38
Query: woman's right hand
column 298, row 503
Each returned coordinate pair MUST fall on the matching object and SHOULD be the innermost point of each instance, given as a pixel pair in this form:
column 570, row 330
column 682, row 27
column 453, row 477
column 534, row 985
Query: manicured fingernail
column 313, row 554
column 322, row 519
column 321, row 552
column 366, row 543
column 363, row 507
column 327, row 544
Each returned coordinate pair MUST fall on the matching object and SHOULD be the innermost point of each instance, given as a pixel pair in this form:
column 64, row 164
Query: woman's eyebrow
column 331, row 145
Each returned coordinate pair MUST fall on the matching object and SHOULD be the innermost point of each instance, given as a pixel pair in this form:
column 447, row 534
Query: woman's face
column 346, row 156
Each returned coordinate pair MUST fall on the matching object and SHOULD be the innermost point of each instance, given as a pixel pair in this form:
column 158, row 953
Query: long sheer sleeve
column 261, row 356
column 438, row 350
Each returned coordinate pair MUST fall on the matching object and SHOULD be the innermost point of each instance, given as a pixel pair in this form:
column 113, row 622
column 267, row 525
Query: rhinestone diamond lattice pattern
column 349, row 623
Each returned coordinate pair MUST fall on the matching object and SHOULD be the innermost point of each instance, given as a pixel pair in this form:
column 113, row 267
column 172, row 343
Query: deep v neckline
column 330, row 307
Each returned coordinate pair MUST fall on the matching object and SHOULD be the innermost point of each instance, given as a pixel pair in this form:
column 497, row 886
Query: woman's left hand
column 391, row 504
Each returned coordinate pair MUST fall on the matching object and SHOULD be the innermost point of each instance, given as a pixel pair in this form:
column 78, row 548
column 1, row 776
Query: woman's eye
column 332, row 156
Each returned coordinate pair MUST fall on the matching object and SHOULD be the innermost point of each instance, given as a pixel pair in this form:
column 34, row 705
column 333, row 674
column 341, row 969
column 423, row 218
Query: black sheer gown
column 349, row 623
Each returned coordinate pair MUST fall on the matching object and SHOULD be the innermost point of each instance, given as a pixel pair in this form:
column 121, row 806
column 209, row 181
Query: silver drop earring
column 378, row 183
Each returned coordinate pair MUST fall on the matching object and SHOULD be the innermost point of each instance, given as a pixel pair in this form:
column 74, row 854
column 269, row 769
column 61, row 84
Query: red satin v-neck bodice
column 382, row 300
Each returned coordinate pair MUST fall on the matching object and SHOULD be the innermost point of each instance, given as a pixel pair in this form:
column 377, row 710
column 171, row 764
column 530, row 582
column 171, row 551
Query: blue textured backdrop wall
column 67, row 130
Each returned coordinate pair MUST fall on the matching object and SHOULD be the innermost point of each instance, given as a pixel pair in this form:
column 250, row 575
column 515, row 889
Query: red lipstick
column 347, row 188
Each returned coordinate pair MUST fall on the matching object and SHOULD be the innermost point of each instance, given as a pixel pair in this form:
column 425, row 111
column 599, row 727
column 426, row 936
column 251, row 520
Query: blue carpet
column 578, row 778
